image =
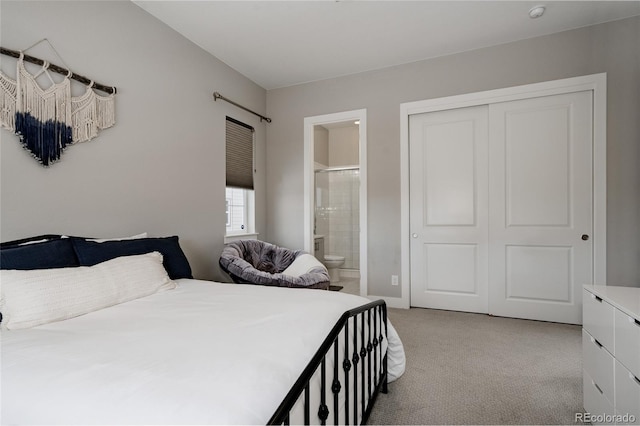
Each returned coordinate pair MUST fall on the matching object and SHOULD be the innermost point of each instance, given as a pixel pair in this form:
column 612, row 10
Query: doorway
column 506, row 200
column 343, row 208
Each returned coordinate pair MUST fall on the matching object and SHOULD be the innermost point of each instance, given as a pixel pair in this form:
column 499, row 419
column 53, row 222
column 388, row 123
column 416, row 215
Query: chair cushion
column 266, row 257
column 258, row 262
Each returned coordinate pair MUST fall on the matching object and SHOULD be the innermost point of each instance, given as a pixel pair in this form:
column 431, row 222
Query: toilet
column 333, row 262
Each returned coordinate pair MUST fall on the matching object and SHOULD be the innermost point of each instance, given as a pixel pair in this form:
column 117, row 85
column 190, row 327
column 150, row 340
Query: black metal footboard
column 342, row 381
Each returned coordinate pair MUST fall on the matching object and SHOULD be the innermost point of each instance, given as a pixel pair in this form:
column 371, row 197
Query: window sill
column 244, row 236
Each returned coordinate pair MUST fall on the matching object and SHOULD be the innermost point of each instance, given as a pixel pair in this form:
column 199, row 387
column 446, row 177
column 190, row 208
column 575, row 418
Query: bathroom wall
column 321, row 145
column 337, row 192
column 322, row 224
column 338, row 214
column 344, row 147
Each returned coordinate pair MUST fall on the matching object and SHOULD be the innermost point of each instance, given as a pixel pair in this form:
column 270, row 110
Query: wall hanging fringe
column 48, row 120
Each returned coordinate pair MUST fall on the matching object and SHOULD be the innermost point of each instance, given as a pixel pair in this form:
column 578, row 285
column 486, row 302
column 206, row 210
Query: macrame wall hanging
column 48, row 120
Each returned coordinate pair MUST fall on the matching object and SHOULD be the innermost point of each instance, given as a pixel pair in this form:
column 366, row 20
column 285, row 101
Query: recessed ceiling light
column 536, row 12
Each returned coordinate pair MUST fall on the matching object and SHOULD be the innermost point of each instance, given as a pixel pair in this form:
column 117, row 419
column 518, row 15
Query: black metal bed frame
column 366, row 349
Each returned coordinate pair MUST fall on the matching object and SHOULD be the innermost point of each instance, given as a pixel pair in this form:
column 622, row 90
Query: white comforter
column 205, row 353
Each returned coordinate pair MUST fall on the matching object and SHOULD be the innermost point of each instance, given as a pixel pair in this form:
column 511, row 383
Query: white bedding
column 205, row 353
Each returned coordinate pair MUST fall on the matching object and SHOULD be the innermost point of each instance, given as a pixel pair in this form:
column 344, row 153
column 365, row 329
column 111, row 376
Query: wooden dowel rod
column 59, row 70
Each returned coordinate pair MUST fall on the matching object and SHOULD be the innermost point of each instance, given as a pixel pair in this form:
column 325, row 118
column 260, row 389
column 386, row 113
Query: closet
column 501, row 214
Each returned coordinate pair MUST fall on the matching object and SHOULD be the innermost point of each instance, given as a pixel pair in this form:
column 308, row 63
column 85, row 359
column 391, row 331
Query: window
column 239, row 205
column 238, row 202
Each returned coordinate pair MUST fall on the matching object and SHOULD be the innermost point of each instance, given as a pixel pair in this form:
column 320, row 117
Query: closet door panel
column 449, row 176
column 448, row 215
column 536, row 166
column 540, row 206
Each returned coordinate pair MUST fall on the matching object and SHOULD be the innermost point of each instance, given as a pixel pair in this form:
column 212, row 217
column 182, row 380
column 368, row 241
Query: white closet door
column 540, row 221
column 448, row 213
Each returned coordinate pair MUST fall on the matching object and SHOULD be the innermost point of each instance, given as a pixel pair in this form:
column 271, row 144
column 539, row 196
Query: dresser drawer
column 627, row 394
column 599, row 363
column 598, row 319
column 595, row 401
column 627, row 341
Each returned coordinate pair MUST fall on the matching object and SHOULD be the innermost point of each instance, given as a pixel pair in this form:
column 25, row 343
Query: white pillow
column 133, row 237
column 302, row 265
column 44, row 240
column 40, row 296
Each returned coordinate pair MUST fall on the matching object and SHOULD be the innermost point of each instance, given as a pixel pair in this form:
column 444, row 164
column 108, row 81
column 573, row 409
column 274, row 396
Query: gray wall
column 612, row 48
column 160, row 169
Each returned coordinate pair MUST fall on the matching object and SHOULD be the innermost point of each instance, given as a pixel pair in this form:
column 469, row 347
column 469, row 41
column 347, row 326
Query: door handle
column 585, row 237
column 414, row 235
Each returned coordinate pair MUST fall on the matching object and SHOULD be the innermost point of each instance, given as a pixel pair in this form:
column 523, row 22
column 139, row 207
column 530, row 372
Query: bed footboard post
column 385, row 389
column 384, row 362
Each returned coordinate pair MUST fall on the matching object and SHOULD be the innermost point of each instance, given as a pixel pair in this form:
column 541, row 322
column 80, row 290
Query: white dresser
column 611, row 354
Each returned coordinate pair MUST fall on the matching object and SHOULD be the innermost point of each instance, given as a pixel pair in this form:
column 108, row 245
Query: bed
column 192, row 351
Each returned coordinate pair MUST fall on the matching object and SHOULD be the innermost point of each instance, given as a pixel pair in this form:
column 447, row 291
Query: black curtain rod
column 217, row 96
column 59, row 70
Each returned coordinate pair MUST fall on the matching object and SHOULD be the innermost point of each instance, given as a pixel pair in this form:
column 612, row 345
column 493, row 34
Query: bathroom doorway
column 336, row 196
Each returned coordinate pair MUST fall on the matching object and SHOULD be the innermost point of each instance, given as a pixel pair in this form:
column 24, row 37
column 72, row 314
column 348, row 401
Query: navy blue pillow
column 46, row 255
column 175, row 262
column 23, row 241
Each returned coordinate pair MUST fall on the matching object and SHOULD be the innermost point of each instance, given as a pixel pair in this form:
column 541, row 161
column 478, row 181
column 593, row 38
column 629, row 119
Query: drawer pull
column 598, row 299
column 631, row 376
column 597, row 387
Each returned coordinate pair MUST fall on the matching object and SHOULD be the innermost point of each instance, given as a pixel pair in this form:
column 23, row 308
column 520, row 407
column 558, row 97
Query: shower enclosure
column 337, row 214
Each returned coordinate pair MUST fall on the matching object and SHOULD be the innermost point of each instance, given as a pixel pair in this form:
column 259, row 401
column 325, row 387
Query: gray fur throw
column 259, row 262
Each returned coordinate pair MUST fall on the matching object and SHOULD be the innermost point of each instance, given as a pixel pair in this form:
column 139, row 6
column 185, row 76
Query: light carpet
column 465, row 368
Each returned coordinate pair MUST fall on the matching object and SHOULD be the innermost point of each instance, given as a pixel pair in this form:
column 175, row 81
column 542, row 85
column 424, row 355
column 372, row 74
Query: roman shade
column 239, row 154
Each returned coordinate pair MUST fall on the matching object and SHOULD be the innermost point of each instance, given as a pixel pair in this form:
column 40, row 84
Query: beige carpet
column 467, row 368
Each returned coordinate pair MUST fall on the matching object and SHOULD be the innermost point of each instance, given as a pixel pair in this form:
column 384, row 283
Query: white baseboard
column 392, row 302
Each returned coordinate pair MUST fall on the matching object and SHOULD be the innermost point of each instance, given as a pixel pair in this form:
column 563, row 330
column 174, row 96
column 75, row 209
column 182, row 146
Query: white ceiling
column 283, row 43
